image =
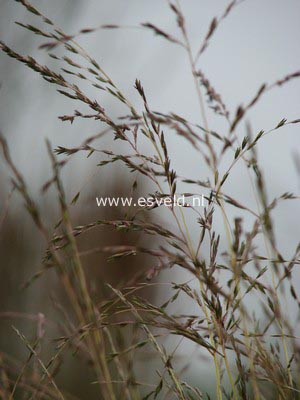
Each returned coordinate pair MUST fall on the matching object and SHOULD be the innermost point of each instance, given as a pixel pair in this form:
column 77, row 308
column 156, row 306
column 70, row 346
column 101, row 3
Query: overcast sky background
column 258, row 42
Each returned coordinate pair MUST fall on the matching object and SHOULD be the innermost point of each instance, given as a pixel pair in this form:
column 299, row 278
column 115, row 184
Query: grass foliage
column 252, row 353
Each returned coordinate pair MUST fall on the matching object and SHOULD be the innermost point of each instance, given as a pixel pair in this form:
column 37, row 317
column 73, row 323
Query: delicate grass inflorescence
column 253, row 354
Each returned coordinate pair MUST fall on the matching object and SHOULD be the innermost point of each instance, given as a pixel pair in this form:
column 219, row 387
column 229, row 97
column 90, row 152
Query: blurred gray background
column 257, row 43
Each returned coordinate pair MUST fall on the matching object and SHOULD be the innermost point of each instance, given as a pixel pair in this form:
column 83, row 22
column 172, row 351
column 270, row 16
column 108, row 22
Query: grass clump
column 253, row 353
